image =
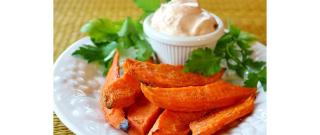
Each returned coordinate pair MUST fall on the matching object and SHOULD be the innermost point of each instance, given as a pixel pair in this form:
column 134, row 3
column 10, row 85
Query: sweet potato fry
column 197, row 98
column 122, row 92
column 164, row 75
column 113, row 73
column 115, row 116
column 174, row 123
column 142, row 116
column 214, row 122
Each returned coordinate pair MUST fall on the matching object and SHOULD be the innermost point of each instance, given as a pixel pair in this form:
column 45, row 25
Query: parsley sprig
column 233, row 49
column 126, row 36
column 107, row 36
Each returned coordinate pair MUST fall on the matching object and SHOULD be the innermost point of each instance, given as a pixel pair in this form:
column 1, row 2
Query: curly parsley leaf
column 203, row 61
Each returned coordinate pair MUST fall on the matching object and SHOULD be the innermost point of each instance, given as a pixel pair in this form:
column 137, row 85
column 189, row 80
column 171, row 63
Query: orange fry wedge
column 197, row 98
column 122, row 92
column 113, row 75
column 216, row 121
column 115, row 116
column 164, row 75
column 174, row 123
column 141, row 116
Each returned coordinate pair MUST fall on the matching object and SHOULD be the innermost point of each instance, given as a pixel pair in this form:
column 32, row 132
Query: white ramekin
column 175, row 49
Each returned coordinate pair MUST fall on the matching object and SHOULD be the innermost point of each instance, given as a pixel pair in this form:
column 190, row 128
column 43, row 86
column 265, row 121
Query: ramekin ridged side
column 175, row 49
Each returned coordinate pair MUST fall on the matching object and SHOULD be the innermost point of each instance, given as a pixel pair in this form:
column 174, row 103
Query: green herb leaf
column 90, row 53
column 132, row 43
column 144, row 50
column 101, row 30
column 109, row 50
column 246, row 37
column 126, row 53
column 127, row 28
column 253, row 79
column 148, row 5
column 234, row 50
column 102, row 54
column 126, row 36
column 263, row 78
column 106, row 67
column 203, row 61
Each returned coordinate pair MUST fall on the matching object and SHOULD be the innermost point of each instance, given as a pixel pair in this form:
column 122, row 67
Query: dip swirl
column 183, row 18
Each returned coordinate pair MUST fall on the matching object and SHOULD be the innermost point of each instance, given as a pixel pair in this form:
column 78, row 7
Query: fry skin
column 141, row 116
column 216, row 121
column 164, row 75
column 115, row 116
column 122, row 92
column 197, row 98
column 174, row 123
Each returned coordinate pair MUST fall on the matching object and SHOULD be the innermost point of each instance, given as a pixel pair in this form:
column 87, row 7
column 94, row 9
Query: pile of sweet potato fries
column 161, row 99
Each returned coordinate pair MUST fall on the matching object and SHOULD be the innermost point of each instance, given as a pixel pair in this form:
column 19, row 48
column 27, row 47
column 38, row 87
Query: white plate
column 76, row 88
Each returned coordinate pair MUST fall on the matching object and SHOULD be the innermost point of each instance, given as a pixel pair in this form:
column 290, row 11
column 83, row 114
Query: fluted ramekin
column 175, row 49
